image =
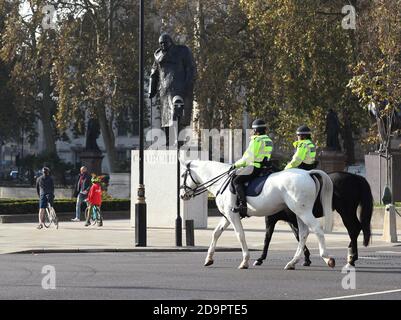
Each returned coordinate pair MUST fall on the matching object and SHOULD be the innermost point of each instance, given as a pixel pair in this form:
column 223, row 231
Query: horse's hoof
column 289, row 267
column 208, row 263
column 258, row 263
column 331, row 263
column 307, row 263
column 243, row 267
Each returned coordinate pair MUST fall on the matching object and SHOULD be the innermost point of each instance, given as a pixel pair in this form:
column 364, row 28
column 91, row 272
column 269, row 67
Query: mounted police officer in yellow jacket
column 255, row 158
column 305, row 154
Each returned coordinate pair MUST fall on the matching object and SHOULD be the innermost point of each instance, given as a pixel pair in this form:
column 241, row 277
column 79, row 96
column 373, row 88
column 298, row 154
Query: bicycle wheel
column 47, row 218
column 54, row 217
column 94, row 216
column 88, row 216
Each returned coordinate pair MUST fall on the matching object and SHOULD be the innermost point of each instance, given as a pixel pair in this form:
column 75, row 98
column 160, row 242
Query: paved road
column 174, row 275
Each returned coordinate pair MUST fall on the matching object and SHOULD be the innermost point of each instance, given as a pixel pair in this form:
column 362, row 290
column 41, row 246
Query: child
column 95, row 199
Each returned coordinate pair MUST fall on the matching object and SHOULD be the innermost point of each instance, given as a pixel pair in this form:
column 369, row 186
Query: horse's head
column 190, row 184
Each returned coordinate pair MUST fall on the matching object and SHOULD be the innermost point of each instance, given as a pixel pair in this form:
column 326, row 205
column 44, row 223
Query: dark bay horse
column 350, row 191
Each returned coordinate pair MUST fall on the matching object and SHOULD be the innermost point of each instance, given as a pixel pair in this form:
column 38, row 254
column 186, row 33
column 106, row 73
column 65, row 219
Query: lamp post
column 140, row 206
column 178, row 103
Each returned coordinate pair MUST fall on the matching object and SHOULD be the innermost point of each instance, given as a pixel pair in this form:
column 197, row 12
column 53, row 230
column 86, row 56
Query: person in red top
column 94, row 199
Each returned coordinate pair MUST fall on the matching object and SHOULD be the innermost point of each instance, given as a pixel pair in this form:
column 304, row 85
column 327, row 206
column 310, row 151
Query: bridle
column 200, row 187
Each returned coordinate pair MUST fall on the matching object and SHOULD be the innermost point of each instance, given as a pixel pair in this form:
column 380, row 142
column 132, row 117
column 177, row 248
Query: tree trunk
column 45, row 112
column 106, row 125
column 108, row 137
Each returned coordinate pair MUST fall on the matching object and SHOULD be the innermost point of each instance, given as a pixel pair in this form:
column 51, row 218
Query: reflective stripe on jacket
column 259, row 148
column 306, row 153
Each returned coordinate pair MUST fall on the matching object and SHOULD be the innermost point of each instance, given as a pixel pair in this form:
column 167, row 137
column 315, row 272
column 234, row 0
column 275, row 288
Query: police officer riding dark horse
column 350, row 191
column 254, row 162
column 304, row 157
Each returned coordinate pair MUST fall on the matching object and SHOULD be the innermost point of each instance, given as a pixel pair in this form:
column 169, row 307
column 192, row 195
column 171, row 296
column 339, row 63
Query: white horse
column 294, row 188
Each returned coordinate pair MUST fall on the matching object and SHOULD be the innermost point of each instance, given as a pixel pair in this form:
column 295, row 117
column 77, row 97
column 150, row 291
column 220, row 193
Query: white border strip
column 362, row 295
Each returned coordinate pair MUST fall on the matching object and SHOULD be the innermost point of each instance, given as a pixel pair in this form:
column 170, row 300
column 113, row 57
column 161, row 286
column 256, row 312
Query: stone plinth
column 331, row 160
column 390, row 225
column 92, row 160
column 376, row 175
column 120, row 185
column 160, row 175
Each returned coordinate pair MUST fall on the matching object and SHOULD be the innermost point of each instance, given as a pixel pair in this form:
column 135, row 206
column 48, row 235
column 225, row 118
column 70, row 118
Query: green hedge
column 25, row 206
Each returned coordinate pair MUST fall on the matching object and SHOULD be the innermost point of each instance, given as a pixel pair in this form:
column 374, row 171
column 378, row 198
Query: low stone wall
column 62, row 216
column 119, row 188
column 376, row 222
column 30, row 193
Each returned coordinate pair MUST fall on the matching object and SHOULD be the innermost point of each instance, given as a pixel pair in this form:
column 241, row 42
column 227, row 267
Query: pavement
column 118, row 235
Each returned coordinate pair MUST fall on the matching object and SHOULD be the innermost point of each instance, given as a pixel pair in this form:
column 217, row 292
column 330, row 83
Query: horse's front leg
column 239, row 231
column 223, row 224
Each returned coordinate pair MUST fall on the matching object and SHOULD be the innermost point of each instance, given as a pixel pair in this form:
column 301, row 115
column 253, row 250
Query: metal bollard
column 190, row 234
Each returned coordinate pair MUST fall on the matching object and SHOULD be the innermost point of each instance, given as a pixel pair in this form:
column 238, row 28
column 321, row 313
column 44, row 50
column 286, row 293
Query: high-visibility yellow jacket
column 305, row 153
column 259, row 148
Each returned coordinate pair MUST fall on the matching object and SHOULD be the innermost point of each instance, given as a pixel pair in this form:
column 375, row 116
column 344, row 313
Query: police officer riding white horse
column 255, row 159
column 294, row 189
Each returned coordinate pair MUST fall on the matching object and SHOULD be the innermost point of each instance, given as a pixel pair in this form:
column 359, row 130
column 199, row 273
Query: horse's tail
column 326, row 197
column 366, row 210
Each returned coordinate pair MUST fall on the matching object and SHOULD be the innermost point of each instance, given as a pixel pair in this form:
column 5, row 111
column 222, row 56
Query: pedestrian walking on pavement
column 95, row 199
column 82, row 187
column 45, row 190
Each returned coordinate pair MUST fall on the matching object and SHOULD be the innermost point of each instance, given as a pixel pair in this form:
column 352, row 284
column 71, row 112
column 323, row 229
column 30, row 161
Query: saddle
column 254, row 187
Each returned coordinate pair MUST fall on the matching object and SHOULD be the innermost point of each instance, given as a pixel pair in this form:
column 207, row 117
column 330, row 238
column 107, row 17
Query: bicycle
column 95, row 216
column 50, row 215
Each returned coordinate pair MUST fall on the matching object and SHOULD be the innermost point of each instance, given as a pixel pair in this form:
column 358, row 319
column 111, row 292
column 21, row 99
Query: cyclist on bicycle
column 45, row 190
column 94, row 199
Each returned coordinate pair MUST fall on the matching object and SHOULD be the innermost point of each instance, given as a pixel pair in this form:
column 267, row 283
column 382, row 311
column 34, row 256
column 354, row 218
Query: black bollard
column 190, row 234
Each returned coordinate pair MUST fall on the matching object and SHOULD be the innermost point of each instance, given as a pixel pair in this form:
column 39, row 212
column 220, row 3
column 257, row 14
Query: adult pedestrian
column 82, row 187
column 45, row 190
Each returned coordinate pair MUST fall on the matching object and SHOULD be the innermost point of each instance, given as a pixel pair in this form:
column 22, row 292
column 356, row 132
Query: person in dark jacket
column 45, row 190
column 82, row 187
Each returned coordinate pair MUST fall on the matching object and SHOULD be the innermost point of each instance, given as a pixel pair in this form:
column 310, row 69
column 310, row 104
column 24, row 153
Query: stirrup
column 242, row 210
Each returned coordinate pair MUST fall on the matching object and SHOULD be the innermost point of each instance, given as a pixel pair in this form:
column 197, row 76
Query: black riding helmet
column 303, row 130
column 259, row 126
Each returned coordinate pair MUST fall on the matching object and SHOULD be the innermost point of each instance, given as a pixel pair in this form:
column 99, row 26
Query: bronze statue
column 333, row 127
column 173, row 74
column 92, row 133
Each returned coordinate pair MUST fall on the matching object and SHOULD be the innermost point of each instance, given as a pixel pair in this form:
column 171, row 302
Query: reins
column 201, row 188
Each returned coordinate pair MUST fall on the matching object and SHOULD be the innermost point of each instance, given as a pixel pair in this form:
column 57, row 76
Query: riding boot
column 242, row 208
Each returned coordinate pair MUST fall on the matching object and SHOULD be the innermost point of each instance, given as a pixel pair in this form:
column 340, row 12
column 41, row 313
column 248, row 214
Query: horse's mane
column 222, row 165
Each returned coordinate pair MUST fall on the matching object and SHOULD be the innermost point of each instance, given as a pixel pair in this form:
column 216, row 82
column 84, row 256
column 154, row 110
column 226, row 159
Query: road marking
column 389, row 252
column 362, row 295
